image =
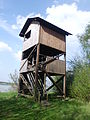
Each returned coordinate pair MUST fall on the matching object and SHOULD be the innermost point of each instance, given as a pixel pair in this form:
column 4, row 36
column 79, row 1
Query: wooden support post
column 43, row 79
column 64, row 86
column 20, row 86
column 64, row 80
column 44, row 83
column 36, row 73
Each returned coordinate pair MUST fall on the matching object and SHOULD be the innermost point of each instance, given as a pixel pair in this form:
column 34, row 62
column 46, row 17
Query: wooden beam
column 31, row 82
column 26, row 78
column 31, row 79
column 56, row 83
column 45, row 84
column 28, row 57
column 60, row 90
column 20, row 86
column 26, row 83
column 36, row 73
column 64, row 80
column 51, row 60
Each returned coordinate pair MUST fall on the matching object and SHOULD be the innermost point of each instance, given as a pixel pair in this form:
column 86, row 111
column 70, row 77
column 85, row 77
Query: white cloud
column 68, row 17
column 76, row 1
column 4, row 47
column 56, row 2
column 9, row 28
column 14, row 27
column 20, row 20
column 18, row 55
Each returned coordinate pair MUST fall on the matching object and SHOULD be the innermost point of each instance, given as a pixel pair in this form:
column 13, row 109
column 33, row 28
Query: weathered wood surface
column 51, row 44
column 33, row 40
column 52, row 39
column 64, row 81
column 26, row 83
column 36, row 73
column 24, row 62
column 56, row 67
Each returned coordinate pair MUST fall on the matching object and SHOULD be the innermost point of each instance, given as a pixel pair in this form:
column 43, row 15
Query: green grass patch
column 13, row 108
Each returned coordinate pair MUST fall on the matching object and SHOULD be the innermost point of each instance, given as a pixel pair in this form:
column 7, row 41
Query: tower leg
column 36, row 73
column 64, row 80
column 44, row 83
column 20, row 86
column 43, row 86
column 64, row 86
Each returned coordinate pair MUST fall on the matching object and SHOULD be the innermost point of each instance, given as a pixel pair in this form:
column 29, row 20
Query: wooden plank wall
column 52, row 39
column 34, row 38
column 56, row 67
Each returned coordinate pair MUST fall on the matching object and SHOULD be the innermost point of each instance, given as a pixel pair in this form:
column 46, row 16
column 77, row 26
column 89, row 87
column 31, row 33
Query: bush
column 81, row 85
column 69, row 81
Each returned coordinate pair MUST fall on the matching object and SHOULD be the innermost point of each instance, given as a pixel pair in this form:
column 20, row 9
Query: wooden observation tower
column 43, row 45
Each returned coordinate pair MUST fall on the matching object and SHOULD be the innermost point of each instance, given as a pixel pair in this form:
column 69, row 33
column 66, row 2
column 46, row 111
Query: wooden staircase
column 29, row 83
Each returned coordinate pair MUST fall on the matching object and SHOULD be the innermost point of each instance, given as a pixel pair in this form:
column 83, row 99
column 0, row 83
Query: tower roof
column 43, row 23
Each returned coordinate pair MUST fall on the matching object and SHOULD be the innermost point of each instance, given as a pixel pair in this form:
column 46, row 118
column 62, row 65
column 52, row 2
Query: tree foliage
column 81, row 69
column 85, row 43
column 81, row 85
column 69, row 81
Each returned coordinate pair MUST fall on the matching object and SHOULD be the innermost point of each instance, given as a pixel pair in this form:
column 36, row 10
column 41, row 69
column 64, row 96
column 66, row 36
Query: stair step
column 26, row 83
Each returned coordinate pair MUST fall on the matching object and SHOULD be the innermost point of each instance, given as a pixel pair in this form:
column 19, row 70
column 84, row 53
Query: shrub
column 81, row 85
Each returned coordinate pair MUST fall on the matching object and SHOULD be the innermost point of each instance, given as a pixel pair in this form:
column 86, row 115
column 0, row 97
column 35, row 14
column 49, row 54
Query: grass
column 12, row 108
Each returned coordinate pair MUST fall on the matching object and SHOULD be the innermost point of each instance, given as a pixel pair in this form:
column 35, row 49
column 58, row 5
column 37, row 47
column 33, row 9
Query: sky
column 70, row 15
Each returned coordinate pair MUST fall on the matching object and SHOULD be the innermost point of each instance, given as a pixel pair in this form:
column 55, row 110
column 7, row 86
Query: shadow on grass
column 12, row 108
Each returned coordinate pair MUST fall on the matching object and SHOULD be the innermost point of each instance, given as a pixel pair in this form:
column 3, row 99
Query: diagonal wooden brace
column 56, row 83
column 28, row 57
column 60, row 90
column 51, row 60
column 25, row 82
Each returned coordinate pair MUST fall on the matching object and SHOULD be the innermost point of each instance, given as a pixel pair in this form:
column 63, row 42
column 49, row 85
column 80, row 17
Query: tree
column 14, row 78
column 81, row 69
column 85, row 43
column 81, row 84
column 69, row 81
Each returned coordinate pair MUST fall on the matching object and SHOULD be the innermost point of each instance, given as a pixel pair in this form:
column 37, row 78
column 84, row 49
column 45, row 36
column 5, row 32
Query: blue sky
column 71, row 15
